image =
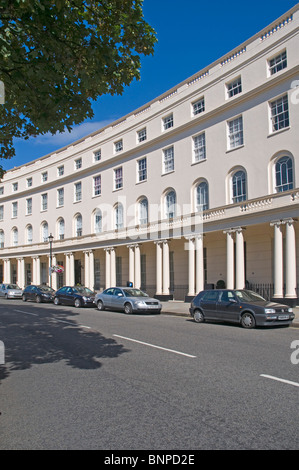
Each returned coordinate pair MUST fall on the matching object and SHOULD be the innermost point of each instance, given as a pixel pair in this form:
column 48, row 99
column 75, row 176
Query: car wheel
column 77, row 303
column 128, row 308
column 100, row 305
column 38, row 299
column 247, row 320
column 24, row 298
column 198, row 316
column 56, row 301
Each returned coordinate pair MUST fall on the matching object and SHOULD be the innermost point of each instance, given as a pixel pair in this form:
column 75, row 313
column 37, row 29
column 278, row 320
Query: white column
column 158, row 268
column 240, row 266
column 200, row 278
column 67, row 268
column 86, row 269
column 91, row 270
column 7, row 271
column 108, row 268
column 72, row 269
column 37, row 270
column 166, row 276
column 290, row 259
column 191, row 266
column 278, row 260
column 21, row 273
column 112, row 267
column 137, row 280
column 229, row 259
column 131, row 264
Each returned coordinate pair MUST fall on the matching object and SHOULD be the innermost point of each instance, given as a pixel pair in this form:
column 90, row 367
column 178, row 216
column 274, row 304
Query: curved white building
column 198, row 186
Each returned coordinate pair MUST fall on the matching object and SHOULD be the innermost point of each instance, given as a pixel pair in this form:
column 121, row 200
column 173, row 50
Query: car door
column 60, row 293
column 63, row 295
column 69, row 296
column 118, row 299
column 31, row 294
column 228, row 306
column 209, row 304
column 107, row 297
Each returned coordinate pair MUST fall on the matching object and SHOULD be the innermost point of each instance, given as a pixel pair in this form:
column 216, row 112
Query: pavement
column 175, row 307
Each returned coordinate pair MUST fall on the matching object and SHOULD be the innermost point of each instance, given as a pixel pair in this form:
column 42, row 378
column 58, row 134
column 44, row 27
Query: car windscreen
column 134, row 293
column 46, row 289
column 12, row 286
column 249, row 296
column 82, row 290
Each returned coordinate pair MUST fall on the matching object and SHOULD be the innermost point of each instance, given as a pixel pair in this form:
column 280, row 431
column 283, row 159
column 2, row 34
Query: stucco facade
column 198, row 186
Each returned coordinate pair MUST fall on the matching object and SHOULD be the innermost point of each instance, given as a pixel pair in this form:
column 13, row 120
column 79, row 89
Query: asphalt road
column 84, row 379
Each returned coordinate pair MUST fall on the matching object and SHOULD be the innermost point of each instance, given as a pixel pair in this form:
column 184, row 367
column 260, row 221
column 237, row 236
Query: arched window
column 202, row 196
column 239, row 192
column 284, row 174
column 15, row 236
column 78, row 225
column 61, row 229
column 29, row 234
column 98, row 221
column 119, row 216
column 45, row 232
column 170, row 204
column 143, row 211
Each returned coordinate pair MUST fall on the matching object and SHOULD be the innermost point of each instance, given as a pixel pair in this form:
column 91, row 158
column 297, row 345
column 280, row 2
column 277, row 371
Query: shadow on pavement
column 41, row 337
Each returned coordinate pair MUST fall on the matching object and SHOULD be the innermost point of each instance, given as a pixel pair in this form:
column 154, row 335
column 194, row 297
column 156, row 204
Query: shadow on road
column 40, row 337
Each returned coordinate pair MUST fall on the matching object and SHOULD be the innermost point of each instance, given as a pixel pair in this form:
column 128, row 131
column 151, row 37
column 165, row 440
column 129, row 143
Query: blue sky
column 191, row 35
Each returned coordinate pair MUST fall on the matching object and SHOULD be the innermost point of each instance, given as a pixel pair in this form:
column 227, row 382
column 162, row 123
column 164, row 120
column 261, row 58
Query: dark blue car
column 77, row 296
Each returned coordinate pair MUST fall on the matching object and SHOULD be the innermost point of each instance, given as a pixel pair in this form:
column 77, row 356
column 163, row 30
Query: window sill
column 199, row 161
column 235, row 148
column 140, row 182
column 278, row 132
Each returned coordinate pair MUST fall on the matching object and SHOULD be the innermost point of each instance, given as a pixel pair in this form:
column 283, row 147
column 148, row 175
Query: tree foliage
column 56, row 56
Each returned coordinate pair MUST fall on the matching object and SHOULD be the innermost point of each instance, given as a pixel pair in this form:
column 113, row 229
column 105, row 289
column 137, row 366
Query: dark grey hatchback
column 239, row 306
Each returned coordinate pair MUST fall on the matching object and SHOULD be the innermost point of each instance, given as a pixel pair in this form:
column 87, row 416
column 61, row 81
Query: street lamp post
column 50, row 239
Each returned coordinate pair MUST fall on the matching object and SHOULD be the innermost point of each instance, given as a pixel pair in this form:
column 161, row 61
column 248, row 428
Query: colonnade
column 290, row 258
column 284, row 263
column 235, row 261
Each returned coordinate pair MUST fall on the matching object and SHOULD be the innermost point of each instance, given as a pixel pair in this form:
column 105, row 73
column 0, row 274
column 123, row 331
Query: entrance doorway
column 78, row 272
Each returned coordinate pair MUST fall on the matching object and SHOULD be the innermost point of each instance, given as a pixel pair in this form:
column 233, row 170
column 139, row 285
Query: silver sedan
column 127, row 299
column 10, row 291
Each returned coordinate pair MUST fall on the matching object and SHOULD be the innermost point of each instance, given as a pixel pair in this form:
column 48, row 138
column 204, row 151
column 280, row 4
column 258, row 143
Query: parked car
column 10, row 291
column 78, row 296
column 239, row 306
column 127, row 299
column 38, row 293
